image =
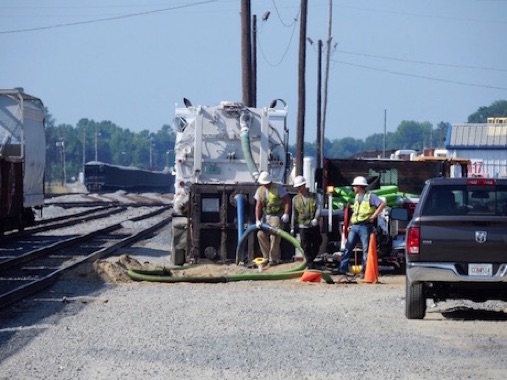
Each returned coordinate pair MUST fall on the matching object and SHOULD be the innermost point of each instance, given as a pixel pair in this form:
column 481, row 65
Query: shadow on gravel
column 22, row 321
column 143, row 253
column 470, row 314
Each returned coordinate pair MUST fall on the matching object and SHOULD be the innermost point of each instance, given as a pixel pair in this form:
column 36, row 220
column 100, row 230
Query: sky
column 132, row 61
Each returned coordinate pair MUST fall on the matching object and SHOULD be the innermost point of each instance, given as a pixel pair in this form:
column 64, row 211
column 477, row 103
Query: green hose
column 147, row 276
column 160, row 275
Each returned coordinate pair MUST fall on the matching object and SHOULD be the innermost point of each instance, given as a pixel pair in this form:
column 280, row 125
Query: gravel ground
column 89, row 326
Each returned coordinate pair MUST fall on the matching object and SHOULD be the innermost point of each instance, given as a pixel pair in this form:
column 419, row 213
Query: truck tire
column 415, row 302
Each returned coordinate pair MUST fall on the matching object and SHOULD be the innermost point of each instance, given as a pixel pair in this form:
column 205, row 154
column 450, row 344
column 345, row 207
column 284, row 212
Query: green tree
column 114, row 145
column 412, row 135
column 440, row 134
column 496, row 109
column 346, row 147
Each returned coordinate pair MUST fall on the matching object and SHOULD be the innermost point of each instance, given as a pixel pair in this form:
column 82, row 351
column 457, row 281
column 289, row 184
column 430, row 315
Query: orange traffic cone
column 371, row 271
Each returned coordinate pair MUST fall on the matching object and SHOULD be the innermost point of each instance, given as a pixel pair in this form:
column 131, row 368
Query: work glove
column 285, row 218
column 314, row 222
column 258, row 224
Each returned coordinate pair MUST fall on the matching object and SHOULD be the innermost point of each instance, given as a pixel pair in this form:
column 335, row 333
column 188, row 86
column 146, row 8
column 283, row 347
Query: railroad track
column 63, row 221
column 88, row 200
column 36, row 261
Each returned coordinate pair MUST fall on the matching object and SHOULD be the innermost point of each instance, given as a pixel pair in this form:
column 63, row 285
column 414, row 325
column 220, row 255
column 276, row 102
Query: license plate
column 480, row 269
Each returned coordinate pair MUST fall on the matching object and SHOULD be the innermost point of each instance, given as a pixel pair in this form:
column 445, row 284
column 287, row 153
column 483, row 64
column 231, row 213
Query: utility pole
column 151, row 154
column 246, row 52
column 319, row 142
column 301, row 90
column 253, row 95
column 84, row 149
column 326, row 81
column 385, row 134
column 60, row 147
column 96, row 143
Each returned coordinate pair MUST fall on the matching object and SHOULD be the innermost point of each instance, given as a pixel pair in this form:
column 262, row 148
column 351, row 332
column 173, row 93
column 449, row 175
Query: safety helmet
column 299, row 181
column 360, row 181
column 264, row 178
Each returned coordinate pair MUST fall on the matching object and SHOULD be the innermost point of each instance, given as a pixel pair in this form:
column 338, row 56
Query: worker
column 305, row 217
column 365, row 210
column 272, row 205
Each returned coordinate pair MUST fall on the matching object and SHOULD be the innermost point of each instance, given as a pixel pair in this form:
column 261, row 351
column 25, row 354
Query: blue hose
column 240, row 202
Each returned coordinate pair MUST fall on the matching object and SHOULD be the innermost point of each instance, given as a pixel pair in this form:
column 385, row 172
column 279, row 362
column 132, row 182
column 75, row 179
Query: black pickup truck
column 456, row 243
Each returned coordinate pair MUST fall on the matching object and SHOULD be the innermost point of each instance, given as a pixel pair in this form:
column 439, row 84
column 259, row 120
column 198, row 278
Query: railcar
column 100, row 176
column 22, row 158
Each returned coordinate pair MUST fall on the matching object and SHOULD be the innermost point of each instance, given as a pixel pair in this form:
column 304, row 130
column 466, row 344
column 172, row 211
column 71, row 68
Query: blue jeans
column 357, row 232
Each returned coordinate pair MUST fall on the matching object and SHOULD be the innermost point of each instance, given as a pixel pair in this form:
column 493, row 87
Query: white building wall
column 484, row 162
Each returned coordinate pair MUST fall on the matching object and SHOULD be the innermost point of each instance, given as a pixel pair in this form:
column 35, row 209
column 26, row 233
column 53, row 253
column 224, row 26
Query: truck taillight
column 481, row 182
column 413, row 240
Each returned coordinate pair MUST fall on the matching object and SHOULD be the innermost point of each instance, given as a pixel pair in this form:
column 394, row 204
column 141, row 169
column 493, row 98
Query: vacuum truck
column 219, row 153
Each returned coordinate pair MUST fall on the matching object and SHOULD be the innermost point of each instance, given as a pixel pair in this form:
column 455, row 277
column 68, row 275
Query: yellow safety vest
column 306, row 211
column 272, row 204
column 362, row 211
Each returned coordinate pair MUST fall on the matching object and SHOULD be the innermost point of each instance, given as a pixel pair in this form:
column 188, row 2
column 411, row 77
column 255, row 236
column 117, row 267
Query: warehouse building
column 484, row 144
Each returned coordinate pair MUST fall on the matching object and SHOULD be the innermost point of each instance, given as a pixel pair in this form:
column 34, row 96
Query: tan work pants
column 269, row 243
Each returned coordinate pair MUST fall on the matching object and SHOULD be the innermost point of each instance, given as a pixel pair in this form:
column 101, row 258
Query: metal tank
column 219, row 154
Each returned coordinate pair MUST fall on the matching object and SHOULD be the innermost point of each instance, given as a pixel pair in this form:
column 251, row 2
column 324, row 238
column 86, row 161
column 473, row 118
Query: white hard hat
column 264, row 178
column 299, row 181
column 360, row 181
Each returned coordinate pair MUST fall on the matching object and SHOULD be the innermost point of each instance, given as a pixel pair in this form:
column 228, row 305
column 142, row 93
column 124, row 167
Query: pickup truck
column 456, row 243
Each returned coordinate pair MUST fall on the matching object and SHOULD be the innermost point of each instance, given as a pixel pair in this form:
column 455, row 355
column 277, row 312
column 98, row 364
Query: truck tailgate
column 449, row 239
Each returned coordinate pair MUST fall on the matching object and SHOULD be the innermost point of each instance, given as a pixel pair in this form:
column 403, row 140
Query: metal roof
column 477, row 136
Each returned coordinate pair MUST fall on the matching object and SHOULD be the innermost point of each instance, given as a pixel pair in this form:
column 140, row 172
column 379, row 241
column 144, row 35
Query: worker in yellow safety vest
column 365, row 210
column 305, row 218
column 272, row 205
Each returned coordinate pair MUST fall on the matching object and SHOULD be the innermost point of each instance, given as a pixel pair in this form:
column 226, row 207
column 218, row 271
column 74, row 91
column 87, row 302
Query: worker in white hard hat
column 365, row 210
column 272, row 206
column 305, row 218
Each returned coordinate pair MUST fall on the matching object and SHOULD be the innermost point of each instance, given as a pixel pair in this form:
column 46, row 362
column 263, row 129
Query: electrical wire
column 284, row 53
column 106, row 19
column 296, row 18
column 422, row 62
column 420, row 76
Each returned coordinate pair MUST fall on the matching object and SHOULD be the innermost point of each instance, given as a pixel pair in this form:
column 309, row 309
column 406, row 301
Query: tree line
column 69, row 147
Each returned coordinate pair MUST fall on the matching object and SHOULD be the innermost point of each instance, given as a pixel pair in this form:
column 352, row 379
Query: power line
column 284, row 53
column 280, row 18
column 422, row 62
column 421, row 76
column 105, row 19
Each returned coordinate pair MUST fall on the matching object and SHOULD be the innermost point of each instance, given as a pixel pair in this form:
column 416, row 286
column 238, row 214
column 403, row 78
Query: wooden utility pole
column 246, row 52
column 253, row 96
column 319, row 105
column 300, row 138
column 326, row 81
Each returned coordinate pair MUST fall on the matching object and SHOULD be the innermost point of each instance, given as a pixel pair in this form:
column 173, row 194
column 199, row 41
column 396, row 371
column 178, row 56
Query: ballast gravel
column 243, row 330
column 85, row 327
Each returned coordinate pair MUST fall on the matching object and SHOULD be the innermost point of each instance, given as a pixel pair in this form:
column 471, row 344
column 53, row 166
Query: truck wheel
column 415, row 303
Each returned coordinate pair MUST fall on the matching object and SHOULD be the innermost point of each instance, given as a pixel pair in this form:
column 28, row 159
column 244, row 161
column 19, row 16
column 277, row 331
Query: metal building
column 484, row 144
